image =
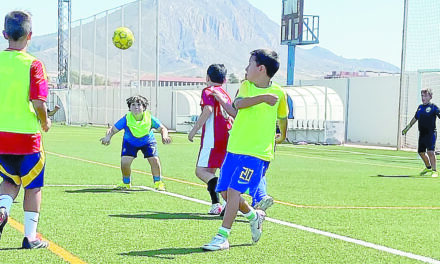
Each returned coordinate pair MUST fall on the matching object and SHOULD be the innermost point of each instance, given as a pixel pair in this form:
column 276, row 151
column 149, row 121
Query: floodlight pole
column 157, row 59
column 291, row 64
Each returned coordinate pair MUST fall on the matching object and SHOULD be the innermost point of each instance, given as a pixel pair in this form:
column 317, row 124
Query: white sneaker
column 219, row 242
column 216, row 209
column 223, row 209
column 257, row 225
column 265, row 203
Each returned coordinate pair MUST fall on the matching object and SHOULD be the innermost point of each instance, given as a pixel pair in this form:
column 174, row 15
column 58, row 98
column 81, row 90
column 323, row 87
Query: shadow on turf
column 16, row 248
column 167, row 216
column 409, row 161
column 100, row 190
column 159, row 253
column 402, row 176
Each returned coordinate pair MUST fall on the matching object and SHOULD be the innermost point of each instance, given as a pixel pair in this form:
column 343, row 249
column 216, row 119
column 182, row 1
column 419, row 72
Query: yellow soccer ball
column 123, row 38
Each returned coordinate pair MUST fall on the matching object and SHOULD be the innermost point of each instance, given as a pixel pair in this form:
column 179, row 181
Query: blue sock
column 156, row 178
column 126, row 180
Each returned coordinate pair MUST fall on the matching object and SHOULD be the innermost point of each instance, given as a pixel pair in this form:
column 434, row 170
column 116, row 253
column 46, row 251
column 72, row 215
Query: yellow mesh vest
column 139, row 128
column 17, row 113
column 253, row 132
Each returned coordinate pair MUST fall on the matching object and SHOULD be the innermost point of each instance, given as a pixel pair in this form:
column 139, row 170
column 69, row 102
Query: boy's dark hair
column 137, row 99
column 18, row 24
column 269, row 59
column 217, row 73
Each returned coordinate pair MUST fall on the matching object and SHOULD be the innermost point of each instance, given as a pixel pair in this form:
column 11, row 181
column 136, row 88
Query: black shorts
column 427, row 142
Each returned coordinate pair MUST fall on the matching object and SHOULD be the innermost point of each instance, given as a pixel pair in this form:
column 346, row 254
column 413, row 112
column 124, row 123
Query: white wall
column 370, row 107
column 373, row 110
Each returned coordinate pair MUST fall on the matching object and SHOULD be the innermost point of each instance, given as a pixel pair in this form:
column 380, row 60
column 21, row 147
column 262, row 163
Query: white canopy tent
column 316, row 115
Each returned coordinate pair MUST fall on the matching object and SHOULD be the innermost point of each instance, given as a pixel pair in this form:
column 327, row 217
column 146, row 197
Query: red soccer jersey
column 215, row 131
column 23, row 144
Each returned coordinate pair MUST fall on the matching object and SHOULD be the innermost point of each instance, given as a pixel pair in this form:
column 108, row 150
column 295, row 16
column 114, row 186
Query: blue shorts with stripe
column 241, row 173
column 26, row 170
column 149, row 150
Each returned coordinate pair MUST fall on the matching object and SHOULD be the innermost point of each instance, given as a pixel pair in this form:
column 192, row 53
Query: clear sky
column 353, row 28
column 350, row 28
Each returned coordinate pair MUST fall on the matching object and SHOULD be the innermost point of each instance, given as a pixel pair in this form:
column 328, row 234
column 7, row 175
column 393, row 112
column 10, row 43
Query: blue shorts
column 427, row 142
column 149, row 149
column 241, row 173
column 26, row 170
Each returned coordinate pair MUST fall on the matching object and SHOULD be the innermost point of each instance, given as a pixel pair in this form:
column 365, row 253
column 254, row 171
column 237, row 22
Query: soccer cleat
column 219, row 242
column 123, row 186
column 425, row 171
column 265, row 203
column 216, row 209
column 257, row 225
column 222, row 213
column 159, row 185
column 38, row 243
column 434, row 174
column 3, row 219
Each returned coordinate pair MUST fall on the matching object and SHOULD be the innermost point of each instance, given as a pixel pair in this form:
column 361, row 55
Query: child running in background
column 215, row 123
column 426, row 114
column 138, row 124
column 259, row 102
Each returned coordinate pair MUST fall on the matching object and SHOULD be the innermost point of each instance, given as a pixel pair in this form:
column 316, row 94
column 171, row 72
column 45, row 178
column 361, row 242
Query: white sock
column 6, row 202
column 30, row 225
column 251, row 215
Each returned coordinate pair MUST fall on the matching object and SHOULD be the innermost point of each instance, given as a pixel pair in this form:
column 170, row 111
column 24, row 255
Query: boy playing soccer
column 23, row 95
column 138, row 135
column 426, row 115
column 260, row 198
column 251, row 143
column 215, row 123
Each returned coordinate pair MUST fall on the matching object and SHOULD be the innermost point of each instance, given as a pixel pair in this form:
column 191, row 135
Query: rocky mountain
column 193, row 34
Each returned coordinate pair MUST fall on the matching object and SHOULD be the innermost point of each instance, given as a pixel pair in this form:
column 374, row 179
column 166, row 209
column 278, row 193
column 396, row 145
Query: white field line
column 345, row 151
column 340, row 160
column 300, row 227
column 355, row 241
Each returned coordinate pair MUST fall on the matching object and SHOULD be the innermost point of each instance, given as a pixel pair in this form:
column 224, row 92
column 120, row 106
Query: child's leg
column 156, row 169
column 126, row 168
column 207, row 175
column 157, row 173
column 31, row 206
column 233, row 205
column 425, row 159
column 432, row 159
column 260, row 193
column 8, row 193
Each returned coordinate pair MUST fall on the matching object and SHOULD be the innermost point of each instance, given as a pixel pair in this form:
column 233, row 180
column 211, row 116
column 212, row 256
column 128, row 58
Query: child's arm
column 164, row 132
column 282, row 123
column 41, row 110
column 110, row 132
column 53, row 112
column 270, row 99
column 207, row 110
column 224, row 103
column 411, row 123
